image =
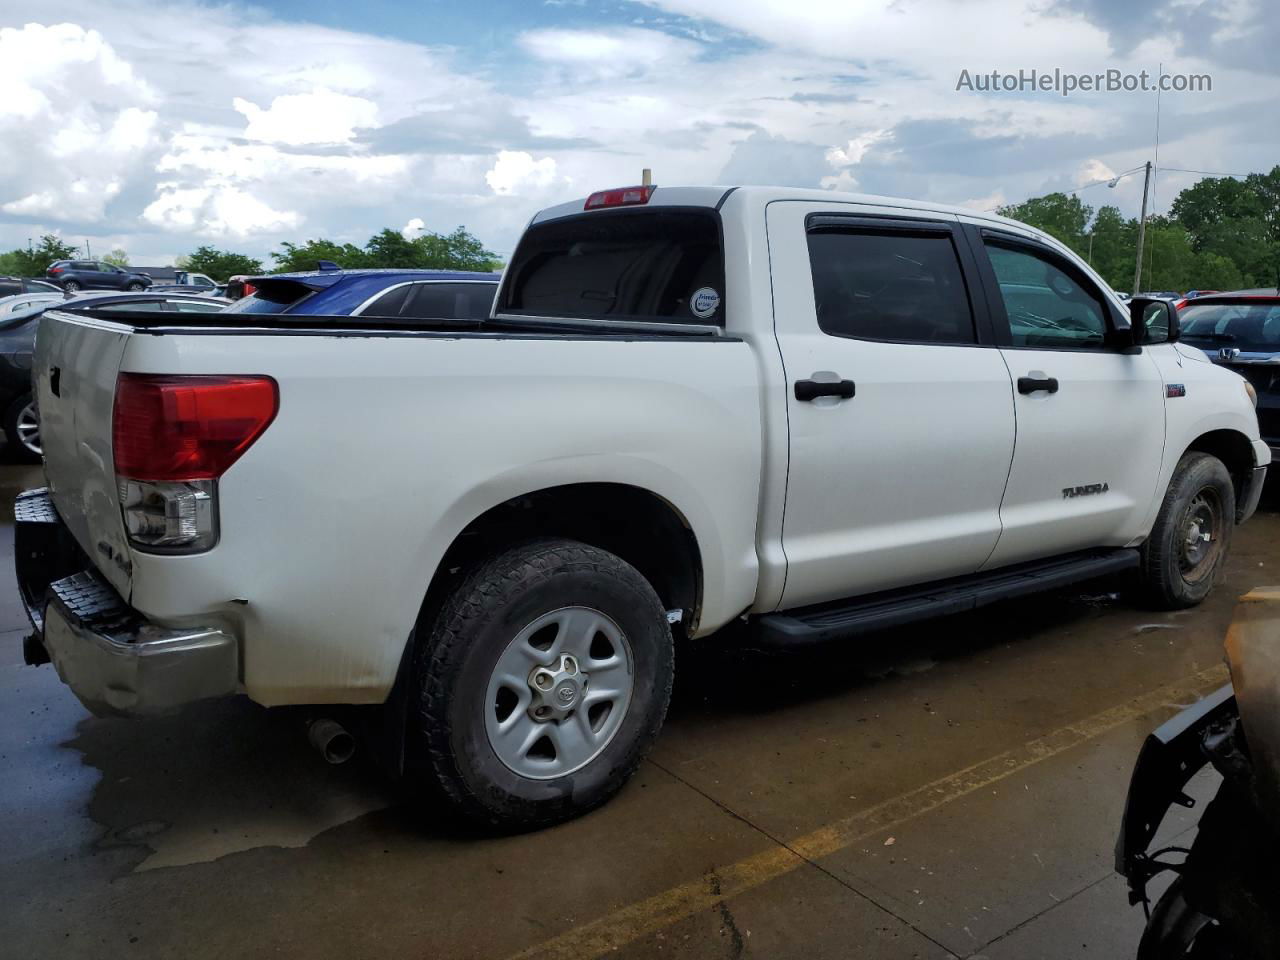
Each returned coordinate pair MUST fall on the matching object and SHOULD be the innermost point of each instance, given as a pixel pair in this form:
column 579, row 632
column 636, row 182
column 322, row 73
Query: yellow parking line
column 644, row 917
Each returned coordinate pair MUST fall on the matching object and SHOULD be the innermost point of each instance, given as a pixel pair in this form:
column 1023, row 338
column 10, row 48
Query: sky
column 157, row 127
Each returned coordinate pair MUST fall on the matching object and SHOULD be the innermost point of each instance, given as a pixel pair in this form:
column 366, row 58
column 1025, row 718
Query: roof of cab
column 718, row 196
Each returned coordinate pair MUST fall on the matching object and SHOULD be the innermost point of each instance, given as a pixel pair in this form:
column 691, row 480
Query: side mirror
column 1153, row 321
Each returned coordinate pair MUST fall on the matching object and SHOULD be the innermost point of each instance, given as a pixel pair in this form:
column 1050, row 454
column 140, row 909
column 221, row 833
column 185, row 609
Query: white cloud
column 219, row 211
column 614, row 51
column 515, row 171
column 66, row 154
column 413, row 228
column 319, row 117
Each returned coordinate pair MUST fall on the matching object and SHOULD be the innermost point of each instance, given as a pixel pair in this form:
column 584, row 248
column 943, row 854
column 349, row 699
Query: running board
column 892, row 608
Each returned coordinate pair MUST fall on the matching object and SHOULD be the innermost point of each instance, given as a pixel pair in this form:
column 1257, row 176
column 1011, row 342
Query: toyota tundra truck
column 805, row 414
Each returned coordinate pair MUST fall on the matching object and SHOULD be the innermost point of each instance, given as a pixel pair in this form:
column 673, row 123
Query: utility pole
column 88, row 254
column 1091, row 248
column 1142, row 231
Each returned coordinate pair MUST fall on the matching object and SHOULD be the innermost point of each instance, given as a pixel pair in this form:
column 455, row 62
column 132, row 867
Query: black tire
column 135, row 287
column 453, row 667
column 1178, row 930
column 71, row 286
column 17, row 448
column 1200, row 487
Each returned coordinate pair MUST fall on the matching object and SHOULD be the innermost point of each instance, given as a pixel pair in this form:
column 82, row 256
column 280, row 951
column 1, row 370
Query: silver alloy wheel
column 28, row 429
column 559, row 693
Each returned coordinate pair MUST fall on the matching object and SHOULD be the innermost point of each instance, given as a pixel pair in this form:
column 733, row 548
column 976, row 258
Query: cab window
column 1047, row 305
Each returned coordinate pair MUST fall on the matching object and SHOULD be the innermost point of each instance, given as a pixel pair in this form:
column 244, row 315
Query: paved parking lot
column 947, row 790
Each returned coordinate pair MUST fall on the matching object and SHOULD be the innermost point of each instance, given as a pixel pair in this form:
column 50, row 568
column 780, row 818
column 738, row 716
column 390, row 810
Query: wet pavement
column 952, row 789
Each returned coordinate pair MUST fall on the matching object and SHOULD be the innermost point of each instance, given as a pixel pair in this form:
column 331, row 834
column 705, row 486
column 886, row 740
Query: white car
column 811, row 413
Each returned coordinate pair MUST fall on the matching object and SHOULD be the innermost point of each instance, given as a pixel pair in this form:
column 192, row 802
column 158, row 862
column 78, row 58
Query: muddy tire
column 1187, row 549
column 542, row 684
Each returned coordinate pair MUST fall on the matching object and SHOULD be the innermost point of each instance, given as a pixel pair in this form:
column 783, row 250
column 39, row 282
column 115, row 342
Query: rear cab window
column 655, row 265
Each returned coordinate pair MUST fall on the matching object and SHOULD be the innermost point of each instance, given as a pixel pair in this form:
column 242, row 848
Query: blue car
column 383, row 293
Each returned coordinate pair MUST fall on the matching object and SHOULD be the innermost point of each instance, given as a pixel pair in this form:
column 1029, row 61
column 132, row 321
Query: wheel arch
column 643, row 528
column 1233, row 448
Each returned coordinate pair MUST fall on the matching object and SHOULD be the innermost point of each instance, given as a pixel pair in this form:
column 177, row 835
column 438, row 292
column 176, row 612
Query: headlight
column 1253, row 394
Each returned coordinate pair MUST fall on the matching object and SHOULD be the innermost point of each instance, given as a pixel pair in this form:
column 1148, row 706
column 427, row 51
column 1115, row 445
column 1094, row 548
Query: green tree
column 293, row 258
column 221, row 265
column 455, row 251
column 117, row 257
column 458, row 250
column 1064, row 217
column 34, row 262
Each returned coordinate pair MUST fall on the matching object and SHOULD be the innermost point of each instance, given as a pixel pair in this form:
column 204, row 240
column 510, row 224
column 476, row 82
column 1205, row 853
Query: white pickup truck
column 811, row 414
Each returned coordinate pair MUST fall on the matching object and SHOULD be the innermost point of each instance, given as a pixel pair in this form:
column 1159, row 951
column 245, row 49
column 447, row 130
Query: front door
column 1090, row 434
column 900, row 411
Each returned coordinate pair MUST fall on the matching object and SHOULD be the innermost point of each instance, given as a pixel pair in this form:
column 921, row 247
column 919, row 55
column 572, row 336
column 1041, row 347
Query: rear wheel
column 71, row 286
column 22, row 428
column 1187, row 549
column 543, row 683
column 135, row 287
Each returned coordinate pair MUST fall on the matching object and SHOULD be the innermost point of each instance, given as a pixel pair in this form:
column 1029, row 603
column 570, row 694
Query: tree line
column 1221, row 233
column 458, row 250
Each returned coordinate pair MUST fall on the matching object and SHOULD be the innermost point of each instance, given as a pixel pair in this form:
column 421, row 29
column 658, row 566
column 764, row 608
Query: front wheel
column 135, row 287
column 1187, row 548
column 543, row 683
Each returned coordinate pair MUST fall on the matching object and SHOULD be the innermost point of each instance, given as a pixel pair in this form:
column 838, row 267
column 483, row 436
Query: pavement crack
column 800, row 855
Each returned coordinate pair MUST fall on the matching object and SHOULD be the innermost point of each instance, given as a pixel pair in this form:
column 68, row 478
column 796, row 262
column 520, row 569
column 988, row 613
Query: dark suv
column 1241, row 331
column 73, row 275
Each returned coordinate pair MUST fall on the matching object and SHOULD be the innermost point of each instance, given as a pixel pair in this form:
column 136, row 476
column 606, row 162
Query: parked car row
column 384, row 294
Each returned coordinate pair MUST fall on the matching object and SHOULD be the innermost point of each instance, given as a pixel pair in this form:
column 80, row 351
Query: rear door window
column 890, row 285
column 389, row 304
column 655, row 264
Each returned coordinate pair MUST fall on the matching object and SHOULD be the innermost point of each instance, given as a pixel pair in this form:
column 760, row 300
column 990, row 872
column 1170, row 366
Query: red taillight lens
column 55, row 270
column 621, row 197
column 174, row 428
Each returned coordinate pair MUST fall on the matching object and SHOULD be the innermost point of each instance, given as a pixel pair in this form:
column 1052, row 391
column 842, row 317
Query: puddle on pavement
column 218, row 778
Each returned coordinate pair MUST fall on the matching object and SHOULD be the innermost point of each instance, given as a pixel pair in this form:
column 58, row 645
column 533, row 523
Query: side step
column 892, row 608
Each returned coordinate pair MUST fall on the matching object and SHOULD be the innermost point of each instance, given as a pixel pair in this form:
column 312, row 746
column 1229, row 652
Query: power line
column 1205, row 173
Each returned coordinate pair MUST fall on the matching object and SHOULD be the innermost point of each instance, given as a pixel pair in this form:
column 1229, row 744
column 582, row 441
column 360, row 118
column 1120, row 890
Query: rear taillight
column 54, row 271
column 619, row 197
column 172, row 438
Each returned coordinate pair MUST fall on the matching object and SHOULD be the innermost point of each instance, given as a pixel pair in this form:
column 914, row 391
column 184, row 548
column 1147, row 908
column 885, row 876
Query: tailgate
column 74, row 376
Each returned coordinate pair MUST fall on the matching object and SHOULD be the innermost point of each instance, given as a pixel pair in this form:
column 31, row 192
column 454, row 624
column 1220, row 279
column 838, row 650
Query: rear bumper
column 113, row 659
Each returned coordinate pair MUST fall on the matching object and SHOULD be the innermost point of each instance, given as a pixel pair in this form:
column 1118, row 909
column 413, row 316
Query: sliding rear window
column 663, row 265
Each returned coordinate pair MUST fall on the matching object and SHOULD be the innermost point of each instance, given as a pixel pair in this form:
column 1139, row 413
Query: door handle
column 812, row 389
column 1032, row 384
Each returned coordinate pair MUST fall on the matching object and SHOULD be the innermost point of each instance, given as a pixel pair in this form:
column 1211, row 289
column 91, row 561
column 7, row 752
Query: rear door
column 1090, row 434
column 900, row 407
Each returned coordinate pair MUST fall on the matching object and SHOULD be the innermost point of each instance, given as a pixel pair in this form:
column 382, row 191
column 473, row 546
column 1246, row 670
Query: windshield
column 663, row 265
column 1247, row 326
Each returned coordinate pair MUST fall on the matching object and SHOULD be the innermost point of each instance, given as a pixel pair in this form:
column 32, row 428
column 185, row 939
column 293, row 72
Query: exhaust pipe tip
column 332, row 739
